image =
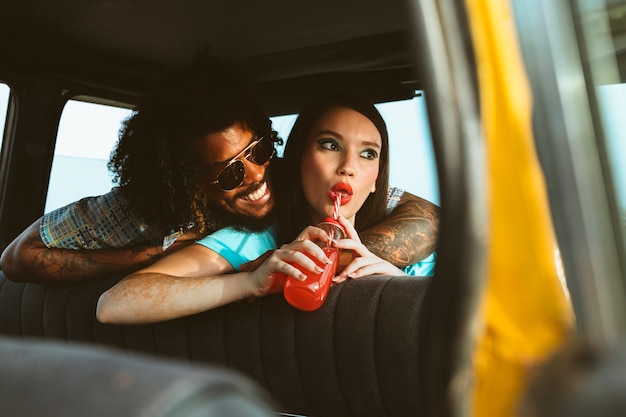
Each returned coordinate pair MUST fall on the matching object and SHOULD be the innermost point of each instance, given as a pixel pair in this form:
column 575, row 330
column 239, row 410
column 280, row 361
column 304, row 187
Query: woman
column 338, row 145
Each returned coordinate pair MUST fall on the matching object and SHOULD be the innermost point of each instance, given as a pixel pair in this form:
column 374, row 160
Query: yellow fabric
column 525, row 310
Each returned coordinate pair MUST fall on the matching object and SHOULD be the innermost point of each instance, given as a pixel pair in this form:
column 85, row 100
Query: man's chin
column 243, row 222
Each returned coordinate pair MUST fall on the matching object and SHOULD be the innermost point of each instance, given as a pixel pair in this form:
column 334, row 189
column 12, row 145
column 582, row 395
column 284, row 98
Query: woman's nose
column 347, row 167
column 347, row 171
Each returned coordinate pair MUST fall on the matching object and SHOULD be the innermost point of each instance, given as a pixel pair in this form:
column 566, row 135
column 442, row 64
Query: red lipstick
column 342, row 188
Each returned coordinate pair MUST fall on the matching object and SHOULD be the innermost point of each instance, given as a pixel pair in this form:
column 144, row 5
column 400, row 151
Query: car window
column 88, row 133
column 412, row 159
column 4, row 102
column 604, row 29
column 86, row 136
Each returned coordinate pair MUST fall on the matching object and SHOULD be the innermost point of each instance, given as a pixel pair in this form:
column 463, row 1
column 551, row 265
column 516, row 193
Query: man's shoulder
column 96, row 222
column 394, row 194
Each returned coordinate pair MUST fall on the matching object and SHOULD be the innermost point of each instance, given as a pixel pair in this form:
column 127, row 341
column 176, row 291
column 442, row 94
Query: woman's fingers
column 368, row 265
column 353, row 245
column 298, row 258
column 312, row 233
column 351, row 232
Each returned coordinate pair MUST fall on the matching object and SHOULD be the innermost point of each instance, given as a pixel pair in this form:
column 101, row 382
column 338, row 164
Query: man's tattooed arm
column 27, row 259
column 407, row 235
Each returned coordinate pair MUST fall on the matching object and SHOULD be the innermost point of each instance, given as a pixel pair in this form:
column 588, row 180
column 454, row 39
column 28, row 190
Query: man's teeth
column 257, row 194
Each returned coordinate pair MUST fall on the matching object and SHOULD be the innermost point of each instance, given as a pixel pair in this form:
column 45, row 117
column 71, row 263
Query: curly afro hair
column 153, row 162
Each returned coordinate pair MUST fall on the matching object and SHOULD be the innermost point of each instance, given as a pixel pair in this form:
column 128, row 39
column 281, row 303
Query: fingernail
column 319, row 269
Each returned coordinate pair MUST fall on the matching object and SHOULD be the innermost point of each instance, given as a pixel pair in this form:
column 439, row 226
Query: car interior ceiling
column 290, row 50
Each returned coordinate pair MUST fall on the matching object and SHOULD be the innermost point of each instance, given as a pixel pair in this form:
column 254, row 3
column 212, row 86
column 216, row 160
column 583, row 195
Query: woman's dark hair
column 292, row 206
column 154, row 162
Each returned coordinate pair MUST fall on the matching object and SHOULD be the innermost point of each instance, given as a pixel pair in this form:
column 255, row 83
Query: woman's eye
column 329, row 144
column 369, row 154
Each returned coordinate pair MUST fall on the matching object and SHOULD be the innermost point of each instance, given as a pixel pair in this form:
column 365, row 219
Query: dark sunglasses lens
column 231, row 176
column 263, row 151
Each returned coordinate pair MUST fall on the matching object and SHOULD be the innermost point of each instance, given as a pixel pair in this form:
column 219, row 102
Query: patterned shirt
column 393, row 198
column 99, row 222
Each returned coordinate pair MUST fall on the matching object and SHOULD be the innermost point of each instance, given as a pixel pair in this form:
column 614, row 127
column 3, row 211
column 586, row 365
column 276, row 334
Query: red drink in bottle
column 310, row 294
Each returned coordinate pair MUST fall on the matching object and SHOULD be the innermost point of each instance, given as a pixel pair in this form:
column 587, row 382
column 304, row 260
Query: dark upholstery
column 356, row 356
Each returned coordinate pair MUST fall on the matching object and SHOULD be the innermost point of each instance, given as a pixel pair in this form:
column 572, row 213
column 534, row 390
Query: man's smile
column 257, row 194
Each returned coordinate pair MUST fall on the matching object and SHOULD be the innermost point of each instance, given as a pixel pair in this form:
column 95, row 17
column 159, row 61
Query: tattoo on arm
column 407, row 237
column 64, row 266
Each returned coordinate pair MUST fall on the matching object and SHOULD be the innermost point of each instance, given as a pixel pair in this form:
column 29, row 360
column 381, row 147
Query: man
column 173, row 189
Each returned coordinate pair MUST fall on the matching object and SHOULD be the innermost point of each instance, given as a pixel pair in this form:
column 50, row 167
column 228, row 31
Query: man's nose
column 254, row 172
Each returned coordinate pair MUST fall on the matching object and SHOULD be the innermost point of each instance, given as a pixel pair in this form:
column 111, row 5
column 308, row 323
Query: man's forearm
column 27, row 259
column 407, row 235
column 67, row 266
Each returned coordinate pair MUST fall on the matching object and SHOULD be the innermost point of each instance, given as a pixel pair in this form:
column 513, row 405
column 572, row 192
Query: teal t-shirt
column 239, row 247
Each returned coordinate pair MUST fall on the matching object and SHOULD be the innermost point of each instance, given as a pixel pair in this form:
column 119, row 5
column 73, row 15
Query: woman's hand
column 364, row 262
column 269, row 277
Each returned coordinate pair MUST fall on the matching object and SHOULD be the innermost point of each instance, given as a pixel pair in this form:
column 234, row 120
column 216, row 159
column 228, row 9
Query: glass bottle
column 310, row 294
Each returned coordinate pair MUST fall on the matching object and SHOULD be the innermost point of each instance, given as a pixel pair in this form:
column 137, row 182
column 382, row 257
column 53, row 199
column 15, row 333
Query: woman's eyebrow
column 338, row 136
column 328, row 132
column 372, row 144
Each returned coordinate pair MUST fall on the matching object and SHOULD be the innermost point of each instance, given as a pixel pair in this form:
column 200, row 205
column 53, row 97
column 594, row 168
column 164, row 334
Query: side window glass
column 411, row 155
column 412, row 164
column 87, row 134
column 4, row 103
column 605, row 30
column 283, row 125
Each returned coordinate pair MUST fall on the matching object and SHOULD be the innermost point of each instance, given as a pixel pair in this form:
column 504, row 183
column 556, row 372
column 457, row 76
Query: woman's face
column 341, row 156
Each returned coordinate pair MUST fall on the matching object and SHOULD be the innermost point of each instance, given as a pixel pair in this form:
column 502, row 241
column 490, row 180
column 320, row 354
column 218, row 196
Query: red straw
column 337, row 205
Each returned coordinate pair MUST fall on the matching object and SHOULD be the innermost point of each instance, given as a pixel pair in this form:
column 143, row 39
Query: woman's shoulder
column 239, row 246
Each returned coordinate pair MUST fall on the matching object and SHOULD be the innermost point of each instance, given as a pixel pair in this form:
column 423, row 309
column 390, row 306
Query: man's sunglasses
column 260, row 152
